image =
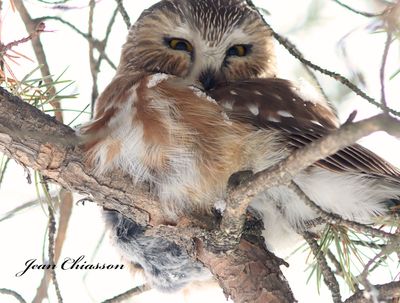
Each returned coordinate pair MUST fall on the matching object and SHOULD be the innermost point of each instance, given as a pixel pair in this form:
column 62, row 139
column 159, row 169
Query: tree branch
column 128, row 294
column 335, row 219
column 365, row 14
column 38, row 48
column 12, row 293
column 64, row 163
column 52, row 232
column 124, row 13
column 327, row 273
column 282, row 173
column 386, row 292
column 292, row 49
column 382, row 71
column 65, row 214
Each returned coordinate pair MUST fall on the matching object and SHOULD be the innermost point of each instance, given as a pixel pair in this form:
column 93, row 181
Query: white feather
column 156, row 78
column 351, row 196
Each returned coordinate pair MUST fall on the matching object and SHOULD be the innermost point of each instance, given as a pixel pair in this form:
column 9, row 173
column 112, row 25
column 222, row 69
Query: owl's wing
column 276, row 103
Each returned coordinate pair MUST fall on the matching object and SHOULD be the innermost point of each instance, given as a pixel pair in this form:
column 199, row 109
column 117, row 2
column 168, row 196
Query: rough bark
column 35, row 140
column 387, row 292
column 243, row 272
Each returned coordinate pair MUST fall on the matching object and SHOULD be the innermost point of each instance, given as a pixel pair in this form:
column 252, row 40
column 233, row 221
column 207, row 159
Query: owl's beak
column 208, row 79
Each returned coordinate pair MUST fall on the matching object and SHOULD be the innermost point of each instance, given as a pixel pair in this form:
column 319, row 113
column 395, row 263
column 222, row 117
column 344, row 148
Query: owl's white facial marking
column 211, row 59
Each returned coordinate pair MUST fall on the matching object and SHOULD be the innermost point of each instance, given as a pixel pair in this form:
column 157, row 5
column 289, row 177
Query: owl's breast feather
column 174, row 138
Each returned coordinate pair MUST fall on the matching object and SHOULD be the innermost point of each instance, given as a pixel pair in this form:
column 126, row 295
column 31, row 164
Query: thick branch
column 255, row 273
column 54, row 153
column 40, row 142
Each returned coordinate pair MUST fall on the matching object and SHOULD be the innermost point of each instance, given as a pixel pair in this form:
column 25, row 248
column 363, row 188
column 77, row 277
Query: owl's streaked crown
column 211, row 27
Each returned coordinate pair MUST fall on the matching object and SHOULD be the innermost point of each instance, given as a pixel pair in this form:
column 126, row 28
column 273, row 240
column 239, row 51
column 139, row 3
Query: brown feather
column 273, row 95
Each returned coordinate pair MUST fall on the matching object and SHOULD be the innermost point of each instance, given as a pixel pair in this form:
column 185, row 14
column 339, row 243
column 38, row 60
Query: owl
column 194, row 101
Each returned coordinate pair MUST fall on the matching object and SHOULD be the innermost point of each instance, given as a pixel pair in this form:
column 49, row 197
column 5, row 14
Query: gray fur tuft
column 166, row 266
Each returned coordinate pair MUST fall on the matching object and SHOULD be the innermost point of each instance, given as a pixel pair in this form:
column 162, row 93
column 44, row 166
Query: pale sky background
column 22, row 237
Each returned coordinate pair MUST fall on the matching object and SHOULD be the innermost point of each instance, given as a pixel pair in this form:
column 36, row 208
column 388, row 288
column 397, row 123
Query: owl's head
column 203, row 42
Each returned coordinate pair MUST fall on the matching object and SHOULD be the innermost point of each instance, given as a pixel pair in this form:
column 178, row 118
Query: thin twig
column 292, row 49
column 99, row 45
column 104, row 42
column 31, row 25
column 335, row 262
column 38, row 30
column 386, row 292
column 93, row 64
column 54, row 2
column 65, row 22
column 339, row 269
column 318, row 84
column 124, row 13
column 12, row 293
column 393, row 246
column 314, row 223
column 52, row 232
column 95, row 251
column 66, row 199
column 382, row 71
column 378, row 263
column 129, row 294
column 15, row 211
column 365, row 14
column 3, row 170
column 368, row 244
column 336, row 219
column 327, row 273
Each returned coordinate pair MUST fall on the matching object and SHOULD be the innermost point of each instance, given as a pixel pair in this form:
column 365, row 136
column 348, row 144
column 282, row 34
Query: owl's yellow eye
column 239, row 50
column 180, row 44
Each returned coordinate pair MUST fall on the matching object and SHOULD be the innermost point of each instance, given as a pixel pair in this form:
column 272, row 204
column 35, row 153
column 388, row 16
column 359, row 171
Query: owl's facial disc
column 208, row 61
column 200, row 42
